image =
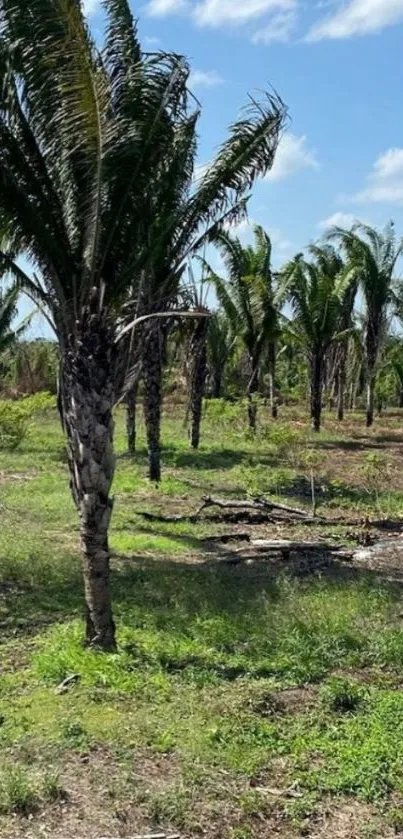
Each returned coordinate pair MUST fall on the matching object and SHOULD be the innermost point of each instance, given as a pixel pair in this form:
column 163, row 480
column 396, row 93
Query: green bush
column 15, row 418
column 14, row 423
column 284, row 440
column 342, row 695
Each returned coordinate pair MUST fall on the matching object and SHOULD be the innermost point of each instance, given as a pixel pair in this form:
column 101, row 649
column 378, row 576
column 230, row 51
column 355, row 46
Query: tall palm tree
column 85, row 138
column 248, row 300
column 372, row 256
column 187, row 210
column 316, row 290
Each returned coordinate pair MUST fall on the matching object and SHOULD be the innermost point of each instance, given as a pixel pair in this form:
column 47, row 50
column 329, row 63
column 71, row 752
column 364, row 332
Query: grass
column 243, row 701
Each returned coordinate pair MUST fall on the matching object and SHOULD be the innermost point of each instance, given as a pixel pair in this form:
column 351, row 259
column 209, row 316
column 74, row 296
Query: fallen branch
column 296, row 511
column 286, row 546
column 258, row 504
column 229, row 537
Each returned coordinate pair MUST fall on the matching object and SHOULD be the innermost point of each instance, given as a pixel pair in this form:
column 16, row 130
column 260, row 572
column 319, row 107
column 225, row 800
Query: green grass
column 228, row 681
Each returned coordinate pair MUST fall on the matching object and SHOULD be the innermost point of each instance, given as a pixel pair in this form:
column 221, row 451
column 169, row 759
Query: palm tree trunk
column 253, row 388
column 198, row 355
column 88, row 398
column 152, row 377
column 217, row 384
column 272, row 381
column 131, row 404
column 370, row 399
column 316, row 390
column 341, row 383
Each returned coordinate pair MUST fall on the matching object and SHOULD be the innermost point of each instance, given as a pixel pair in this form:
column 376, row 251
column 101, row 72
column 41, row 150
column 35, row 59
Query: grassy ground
column 248, row 700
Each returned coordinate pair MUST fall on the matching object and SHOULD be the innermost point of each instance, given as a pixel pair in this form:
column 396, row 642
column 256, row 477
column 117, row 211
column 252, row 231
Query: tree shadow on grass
column 361, row 445
column 219, row 459
column 221, row 606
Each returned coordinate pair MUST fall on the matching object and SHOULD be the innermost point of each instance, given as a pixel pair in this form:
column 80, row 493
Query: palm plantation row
column 100, row 195
column 338, row 305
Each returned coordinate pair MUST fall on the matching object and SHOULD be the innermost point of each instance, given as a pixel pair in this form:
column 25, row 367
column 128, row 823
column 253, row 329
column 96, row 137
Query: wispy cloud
column 91, row 7
column 244, row 231
column 385, row 182
column 292, row 156
column 338, row 219
column 276, row 18
column 159, row 8
column 280, row 28
column 357, row 17
column 220, row 12
column 204, row 78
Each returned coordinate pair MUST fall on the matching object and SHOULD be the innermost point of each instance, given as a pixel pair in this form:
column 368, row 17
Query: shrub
column 15, row 418
column 342, row 695
column 14, row 422
column 286, row 441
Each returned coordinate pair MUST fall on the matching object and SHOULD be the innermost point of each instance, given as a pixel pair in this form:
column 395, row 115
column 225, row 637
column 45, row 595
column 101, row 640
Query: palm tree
column 372, row 257
column 8, row 311
column 220, row 344
column 316, row 290
column 198, row 373
column 341, row 349
column 85, row 138
column 187, row 210
column 248, row 300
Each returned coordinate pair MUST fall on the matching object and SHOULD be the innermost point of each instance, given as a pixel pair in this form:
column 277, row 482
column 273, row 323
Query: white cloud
column 292, row 156
column 244, row 231
column 91, row 7
column 358, row 17
column 204, row 78
column 385, row 182
column 277, row 17
column 220, row 12
column 280, row 28
column 389, row 164
column 339, row 219
column 159, row 8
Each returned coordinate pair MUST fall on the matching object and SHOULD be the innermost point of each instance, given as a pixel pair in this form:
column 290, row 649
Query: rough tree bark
column 88, row 398
column 253, row 388
column 341, row 382
column 131, row 404
column 372, row 342
column 198, row 370
column 316, row 390
column 152, row 369
column 272, row 381
column 217, row 384
column 370, row 399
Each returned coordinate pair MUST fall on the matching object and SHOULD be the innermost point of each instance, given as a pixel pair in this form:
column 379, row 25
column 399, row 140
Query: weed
column 342, row 695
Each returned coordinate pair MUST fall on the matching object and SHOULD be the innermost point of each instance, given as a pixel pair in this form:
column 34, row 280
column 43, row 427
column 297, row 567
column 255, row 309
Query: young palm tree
column 372, row 257
column 316, row 290
column 248, row 300
column 345, row 327
column 85, row 140
column 220, row 344
column 8, row 311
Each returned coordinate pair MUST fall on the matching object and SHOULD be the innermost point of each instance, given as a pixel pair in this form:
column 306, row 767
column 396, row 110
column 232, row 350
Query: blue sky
column 337, row 65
